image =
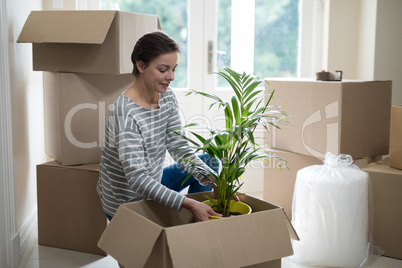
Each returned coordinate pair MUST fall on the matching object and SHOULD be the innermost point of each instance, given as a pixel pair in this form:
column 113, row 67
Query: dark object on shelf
column 329, row 76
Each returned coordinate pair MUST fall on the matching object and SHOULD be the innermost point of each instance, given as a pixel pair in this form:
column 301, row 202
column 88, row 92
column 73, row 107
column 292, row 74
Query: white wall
column 27, row 117
column 28, row 147
column 366, row 39
column 341, row 37
column 388, row 46
column 362, row 38
column 7, row 221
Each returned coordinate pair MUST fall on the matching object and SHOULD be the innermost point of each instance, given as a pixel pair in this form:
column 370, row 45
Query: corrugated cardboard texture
column 174, row 241
column 395, row 150
column 76, row 106
column 96, row 42
column 348, row 117
column 279, row 183
column 387, row 198
column 70, row 215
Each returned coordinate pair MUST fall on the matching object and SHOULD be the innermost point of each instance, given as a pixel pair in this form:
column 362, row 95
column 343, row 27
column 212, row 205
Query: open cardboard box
column 350, row 117
column 147, row 234
column 98, row 42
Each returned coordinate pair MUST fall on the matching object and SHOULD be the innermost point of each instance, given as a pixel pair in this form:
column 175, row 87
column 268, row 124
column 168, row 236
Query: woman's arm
column 138, row 169
column 174, row 141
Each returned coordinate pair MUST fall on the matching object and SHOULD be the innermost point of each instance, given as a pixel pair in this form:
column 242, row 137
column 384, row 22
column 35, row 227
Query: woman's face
column 158, row 74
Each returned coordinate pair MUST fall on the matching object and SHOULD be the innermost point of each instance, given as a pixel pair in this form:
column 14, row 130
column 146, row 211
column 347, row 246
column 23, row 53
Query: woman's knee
column 211, row 162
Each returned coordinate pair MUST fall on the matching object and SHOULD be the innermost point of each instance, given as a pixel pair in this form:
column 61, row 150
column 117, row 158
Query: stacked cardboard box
column 387, row 185
column 395, row 150
column 76, row 107
column 350, row 117
column 86, row 56
column 86, row 59
column 386, row 177
column 69, row 211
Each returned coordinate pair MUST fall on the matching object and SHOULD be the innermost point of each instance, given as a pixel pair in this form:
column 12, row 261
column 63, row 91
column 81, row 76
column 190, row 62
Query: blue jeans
column 173, row 176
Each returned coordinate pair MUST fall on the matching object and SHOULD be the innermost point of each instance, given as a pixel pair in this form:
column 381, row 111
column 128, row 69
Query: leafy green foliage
column 234, row 145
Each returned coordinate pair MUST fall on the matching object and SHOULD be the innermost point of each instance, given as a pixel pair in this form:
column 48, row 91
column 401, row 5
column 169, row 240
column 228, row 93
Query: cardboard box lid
column 237, row 241
column 85, row 27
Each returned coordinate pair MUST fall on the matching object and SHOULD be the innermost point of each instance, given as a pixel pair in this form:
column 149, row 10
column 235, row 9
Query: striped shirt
column 134, row 150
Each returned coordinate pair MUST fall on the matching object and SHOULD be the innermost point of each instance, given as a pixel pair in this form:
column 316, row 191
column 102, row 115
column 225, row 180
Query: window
column 173, row 17
column 259, row 36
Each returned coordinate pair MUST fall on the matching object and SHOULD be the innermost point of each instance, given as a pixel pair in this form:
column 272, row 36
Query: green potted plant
column 234, row 145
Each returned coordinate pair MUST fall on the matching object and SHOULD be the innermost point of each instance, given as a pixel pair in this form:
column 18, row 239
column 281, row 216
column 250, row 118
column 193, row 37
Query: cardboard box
column 171, row 239
column 97, row 42
column 395, row 150
column 279, row 183
column 350, row 117
column 76, row 107
column 387, row 198
column 70, row 214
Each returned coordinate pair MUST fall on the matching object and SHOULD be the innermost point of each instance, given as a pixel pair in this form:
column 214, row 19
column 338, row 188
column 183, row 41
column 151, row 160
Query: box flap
column 232, row 242
column 291, row 229
column 89, row 167
column 257, row 206
column 382, row 166
column 85, row 27
column 129, row 238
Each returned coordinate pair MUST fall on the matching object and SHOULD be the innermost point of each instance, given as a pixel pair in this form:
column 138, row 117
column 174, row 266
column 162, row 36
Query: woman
column 139, row 131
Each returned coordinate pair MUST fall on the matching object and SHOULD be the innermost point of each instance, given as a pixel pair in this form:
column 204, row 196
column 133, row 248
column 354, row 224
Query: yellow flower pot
column 234, row 206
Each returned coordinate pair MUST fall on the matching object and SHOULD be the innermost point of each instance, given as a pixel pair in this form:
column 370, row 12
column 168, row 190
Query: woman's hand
column 236, row 198
column 199, row 210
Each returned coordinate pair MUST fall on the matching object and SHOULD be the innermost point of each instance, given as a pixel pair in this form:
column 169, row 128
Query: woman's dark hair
column 151, row 46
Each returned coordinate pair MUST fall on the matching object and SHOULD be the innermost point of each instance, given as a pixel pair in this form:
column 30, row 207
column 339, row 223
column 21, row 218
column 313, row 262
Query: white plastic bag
column 332, row 214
